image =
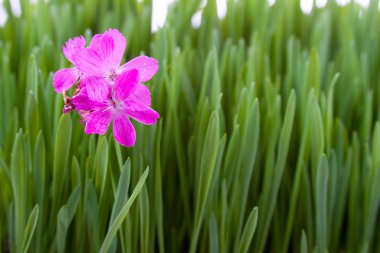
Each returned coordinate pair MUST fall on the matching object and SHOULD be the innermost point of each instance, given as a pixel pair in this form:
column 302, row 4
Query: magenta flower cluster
column 104, row 90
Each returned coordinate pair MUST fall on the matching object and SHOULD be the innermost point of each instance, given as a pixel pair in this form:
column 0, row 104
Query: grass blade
column 249, row 231
column 115, row 226
column 30, row 228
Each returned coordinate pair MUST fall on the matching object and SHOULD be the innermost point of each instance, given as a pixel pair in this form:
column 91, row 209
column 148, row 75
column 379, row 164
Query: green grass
column 268, row 141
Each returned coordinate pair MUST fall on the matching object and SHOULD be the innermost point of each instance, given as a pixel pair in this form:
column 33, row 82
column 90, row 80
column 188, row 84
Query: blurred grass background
column 269, row 137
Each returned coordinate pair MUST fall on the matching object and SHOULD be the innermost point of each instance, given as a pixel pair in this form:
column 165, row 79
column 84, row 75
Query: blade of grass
column 249, row 231
column 30, row 228
column 122, row 214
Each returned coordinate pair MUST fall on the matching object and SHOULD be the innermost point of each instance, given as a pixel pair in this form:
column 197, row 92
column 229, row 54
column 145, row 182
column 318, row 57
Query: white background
column 160, row 9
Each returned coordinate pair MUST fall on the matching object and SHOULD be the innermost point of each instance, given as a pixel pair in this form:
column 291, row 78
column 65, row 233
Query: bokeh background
column 160, row 7
column 268, row 141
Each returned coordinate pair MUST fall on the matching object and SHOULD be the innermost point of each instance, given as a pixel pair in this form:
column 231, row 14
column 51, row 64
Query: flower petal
column 123, row 130
column 83, row 103
column 95, row 41
column 110, row 47
column 97, row 122
column 63, row 79
column 71, row 45
column 88, row 61
column 146, row 66
column 147, row 116
column 97, row 88
column 125, row 84
column 141, row 94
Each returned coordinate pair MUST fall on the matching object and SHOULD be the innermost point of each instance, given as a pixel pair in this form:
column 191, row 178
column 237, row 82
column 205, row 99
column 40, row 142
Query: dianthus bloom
column 107, row 91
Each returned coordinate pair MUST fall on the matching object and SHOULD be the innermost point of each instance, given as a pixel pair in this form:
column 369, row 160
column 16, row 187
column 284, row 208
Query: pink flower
column 65, row 78
column 100, row 62
column 106, row 91
column 127, row 98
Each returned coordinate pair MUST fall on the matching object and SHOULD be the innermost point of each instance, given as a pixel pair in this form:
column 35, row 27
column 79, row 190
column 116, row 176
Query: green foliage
column 268, row 141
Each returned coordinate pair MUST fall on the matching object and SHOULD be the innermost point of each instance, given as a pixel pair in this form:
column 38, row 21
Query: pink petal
column 65, row 78
column 146, row 66
column 88, row 61
column 125, row 84
column 141, row 94
column 119, row 45
column 97, row 88
column 147, row 116
column 71, row 45
column 97, row 122
column 95, row 41
column 123, row 130
column 110, row 46
column 83, row 103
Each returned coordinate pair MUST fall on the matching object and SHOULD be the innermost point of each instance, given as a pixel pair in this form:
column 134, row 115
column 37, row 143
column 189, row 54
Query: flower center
column 112, row 75
column 115, row 104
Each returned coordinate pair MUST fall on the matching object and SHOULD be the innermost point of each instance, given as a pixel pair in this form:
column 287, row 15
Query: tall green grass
column 269, row 137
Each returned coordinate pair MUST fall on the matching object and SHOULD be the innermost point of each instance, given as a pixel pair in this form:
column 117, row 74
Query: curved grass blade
column 65, row 216
column 249, row 231
column 30, row 228
column 122, row 214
